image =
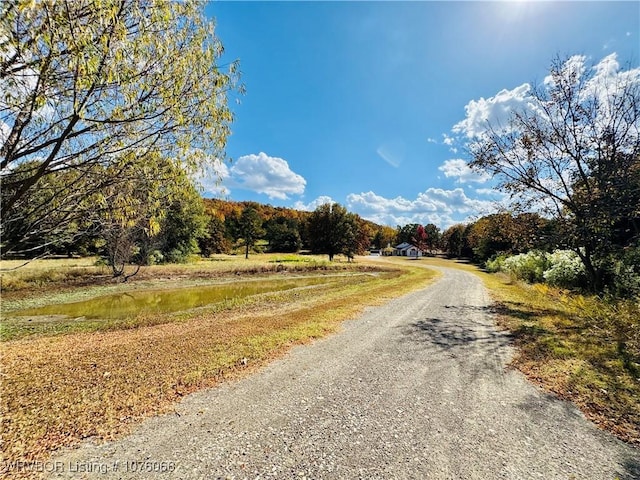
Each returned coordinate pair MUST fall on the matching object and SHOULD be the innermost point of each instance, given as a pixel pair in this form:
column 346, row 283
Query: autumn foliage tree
column 420, row 238
column 453, row 240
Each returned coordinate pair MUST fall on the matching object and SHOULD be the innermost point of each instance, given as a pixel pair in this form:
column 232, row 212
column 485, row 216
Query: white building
column 406, row 250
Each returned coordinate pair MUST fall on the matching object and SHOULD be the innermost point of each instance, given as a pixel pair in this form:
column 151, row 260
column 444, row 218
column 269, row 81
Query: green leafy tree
column 37, row 235
column 384, row 237
column 249, row 228
column 332, row 230
column 283, row 234
column 184, row 223
column 129, row 216
column 86, row 83
column 433, row 237
column 406, row 233
column 572, row 152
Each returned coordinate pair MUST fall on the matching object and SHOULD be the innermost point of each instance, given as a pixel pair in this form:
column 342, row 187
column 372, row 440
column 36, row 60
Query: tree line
column 108, row 111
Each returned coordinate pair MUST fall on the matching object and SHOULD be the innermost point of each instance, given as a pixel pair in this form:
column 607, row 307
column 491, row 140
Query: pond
column 130, row 304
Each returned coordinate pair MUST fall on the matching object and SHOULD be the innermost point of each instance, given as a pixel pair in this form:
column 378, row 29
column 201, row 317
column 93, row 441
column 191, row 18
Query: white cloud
column 441, row 207
column 450, row 142
column 490, row 192
column 601, row 82
column 310, row 207
column 574, row 68
column 459, row 169
column 212, row 178
column 494, row 111
column 267, row 175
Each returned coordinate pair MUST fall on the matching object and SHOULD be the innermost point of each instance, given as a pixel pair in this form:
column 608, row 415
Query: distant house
column 406, row 250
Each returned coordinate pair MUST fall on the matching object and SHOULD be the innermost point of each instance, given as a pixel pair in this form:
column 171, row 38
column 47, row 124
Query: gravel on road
column 416, row 389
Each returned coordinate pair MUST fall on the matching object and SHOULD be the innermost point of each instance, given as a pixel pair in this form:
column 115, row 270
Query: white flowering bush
column 566, row 269
column 562, row 268
column 495, row 263
column 529, row 267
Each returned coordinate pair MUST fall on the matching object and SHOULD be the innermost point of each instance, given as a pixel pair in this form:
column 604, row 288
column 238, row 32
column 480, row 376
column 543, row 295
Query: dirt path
column 414, row 389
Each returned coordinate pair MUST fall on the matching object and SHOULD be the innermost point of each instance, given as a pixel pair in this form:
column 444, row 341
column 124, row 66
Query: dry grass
column 59, row 390
column 580, row 348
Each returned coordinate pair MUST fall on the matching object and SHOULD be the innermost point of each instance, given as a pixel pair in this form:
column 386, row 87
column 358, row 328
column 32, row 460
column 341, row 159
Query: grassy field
column 63, row 387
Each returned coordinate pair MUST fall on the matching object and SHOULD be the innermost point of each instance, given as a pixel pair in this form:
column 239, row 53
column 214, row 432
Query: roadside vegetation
column 566, row 252
column 59, row 389
column 580, row 347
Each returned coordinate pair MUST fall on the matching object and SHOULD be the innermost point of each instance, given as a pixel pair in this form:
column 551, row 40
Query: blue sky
column 357, row 101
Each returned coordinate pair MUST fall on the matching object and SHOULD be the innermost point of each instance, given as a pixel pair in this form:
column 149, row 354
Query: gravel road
column 416, row 389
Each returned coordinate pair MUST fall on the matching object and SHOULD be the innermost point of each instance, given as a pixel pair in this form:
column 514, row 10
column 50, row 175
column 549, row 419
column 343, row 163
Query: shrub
column 156, row 257
column 495, row 263
column 624, row 274
column 529, row 267
column 176, row 255
column 566, row 270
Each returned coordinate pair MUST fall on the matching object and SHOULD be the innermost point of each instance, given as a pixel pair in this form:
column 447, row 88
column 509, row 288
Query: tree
column 40, row 235
column 214, row 239
column 572, row 153
column 86, row 84
column 384, row 237
column 249, row 228
column 332, row 230
column 454, row 240
column 531, row 231
column 363, row 234
column 433, row 237
column 128, row 221
column 129, row 216
column 406, row 233
column 420, row 238
column 283, row 234
column 491, row 235
column 183, row 225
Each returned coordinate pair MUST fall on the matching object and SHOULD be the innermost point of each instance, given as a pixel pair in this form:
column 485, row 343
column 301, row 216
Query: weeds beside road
column 415, row 388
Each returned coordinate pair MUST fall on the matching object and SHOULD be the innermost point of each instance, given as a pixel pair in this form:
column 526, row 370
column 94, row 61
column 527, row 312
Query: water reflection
column 127, row 305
